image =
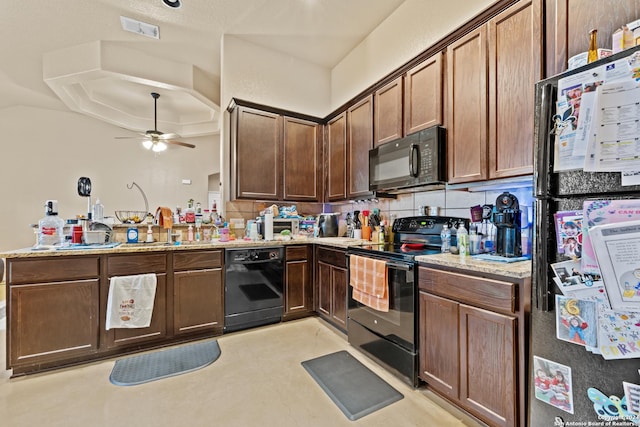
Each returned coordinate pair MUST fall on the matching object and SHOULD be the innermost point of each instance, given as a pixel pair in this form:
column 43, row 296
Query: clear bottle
column 51, row 227
column 462, row 237
column 593, row 46
column 98, row 211
column 445, row 236
column 474, row 241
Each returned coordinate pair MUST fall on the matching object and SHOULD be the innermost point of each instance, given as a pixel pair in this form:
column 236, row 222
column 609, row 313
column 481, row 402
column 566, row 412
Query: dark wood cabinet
column 258, row 153
column 275, row 157
column 359, row 142
column 331, row 285
column 387, row 107
column 53, row 312
column 467, row 131
column 515, row 48
column 336, row 149
column 568, row 24
column 302, row 160
column 471, row 332
column 133, row 264
column 440, row 344
column 298, row 284
column 198, row 292
column 491, row 74
column 423, row 86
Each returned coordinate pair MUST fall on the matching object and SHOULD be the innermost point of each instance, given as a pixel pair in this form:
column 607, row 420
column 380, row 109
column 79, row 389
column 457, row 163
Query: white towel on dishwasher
column 130, row 302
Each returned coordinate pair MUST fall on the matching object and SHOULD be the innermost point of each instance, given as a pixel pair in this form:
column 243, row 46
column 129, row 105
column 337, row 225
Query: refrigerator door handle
column 540, row 273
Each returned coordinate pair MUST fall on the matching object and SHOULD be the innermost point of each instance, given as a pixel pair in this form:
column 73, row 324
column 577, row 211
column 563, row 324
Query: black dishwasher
column 253, row 287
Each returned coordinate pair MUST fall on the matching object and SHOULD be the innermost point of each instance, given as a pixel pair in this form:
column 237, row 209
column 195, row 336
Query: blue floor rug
column 353, row 387
column 164, row 363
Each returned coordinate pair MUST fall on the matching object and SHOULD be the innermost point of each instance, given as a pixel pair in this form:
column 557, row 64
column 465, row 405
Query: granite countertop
column 518, row 270
column 340, row 242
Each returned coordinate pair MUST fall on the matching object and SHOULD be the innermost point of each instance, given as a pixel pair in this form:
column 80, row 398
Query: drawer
column 52, row 269
column 127, row 264
column 481, row 292
column 332, row 256
column 297, row 253
column 196, row 260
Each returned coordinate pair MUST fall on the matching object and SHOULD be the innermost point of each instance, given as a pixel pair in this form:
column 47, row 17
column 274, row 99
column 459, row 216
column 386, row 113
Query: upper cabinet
column 515, row 46
column 359, row 142
column 302, row 153
column 423, row 95
column 491, row 75
column 336, row 149
column 257, row 141
column 388, row 112
column 467, row 108
column 568, row 27
column 276, row 157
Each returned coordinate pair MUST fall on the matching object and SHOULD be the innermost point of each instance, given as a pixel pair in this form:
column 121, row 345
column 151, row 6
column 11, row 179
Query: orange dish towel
column 368, row 277
column 165, row 219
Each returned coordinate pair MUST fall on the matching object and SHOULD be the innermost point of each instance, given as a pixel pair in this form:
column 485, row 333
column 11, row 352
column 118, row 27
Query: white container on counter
column 268, row 226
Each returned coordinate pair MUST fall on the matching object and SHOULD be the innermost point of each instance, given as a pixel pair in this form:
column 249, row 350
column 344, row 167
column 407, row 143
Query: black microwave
column 416, row 160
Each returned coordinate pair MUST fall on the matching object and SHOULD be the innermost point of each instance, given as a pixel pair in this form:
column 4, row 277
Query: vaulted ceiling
column 74, row 54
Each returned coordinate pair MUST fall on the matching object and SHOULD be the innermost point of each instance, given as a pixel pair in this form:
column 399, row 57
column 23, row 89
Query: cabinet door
column 298, row 295
column 302, row 160
column 157, row 330
column 514, row 68
column 488, row 365
column 197, row 301
column 339, row 285
column 258, row 148
column 359, row 142
column 324, row 289
column 52, row 322
column 423, row 95
column 569, row 23
column 337, row 158
column 439, row 344
column 467, row 108
column 387, row 108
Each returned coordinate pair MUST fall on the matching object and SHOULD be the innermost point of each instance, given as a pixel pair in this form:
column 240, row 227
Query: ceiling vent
column 140, row 27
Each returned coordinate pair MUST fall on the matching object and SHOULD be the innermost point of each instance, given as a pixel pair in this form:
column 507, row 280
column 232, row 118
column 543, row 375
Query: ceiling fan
column 154, row 139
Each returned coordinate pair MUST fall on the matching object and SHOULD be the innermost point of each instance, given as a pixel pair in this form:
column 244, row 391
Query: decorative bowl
column 131, row 217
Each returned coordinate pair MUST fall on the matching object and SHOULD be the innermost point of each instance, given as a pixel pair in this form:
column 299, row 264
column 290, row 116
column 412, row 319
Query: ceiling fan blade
column 131, row 137
column 168, row 136
column 184, row 144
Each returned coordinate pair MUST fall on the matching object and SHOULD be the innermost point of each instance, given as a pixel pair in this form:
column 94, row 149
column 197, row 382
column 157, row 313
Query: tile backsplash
column 451, row 202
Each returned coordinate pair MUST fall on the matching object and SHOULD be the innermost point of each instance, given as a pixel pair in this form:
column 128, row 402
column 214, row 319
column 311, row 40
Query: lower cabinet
column 53, row 312
column 469, row 344
column 57, row 305
column 128, row 265
column 198, row 292
column 298, row 285
column 331, row 285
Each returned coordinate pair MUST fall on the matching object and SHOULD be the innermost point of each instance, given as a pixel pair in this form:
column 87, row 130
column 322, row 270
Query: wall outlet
column 186, row 181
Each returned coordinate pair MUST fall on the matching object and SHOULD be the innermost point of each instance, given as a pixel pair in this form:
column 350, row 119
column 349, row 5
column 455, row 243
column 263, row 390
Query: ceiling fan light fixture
column 174, row 4
column 147, row 144
column 159, row 146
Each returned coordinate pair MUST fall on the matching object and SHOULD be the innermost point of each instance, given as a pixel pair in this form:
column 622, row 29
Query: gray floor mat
column 164, row 363
column 352, row 386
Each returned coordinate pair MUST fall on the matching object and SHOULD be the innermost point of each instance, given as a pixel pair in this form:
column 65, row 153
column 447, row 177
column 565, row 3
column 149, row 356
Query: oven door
column 398, row 324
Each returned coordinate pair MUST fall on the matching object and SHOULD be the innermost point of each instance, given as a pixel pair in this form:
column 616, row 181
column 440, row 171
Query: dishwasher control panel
column 254, row 255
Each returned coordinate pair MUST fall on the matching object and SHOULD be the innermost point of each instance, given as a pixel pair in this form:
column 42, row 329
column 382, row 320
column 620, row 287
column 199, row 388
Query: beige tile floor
column 257, row 381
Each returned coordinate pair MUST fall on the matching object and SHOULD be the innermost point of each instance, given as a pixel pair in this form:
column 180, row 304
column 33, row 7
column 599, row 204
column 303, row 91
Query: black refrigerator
column 596, row 384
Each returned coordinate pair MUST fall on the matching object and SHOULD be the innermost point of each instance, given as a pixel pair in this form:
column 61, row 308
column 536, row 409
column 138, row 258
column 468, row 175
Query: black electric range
column 412, row 236
column 390, row 337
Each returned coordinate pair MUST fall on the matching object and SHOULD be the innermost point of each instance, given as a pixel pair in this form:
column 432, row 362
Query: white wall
column 44, row 152
column 412, row 28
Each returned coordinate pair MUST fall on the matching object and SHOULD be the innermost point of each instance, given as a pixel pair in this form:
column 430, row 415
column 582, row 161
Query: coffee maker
column 507, row 219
